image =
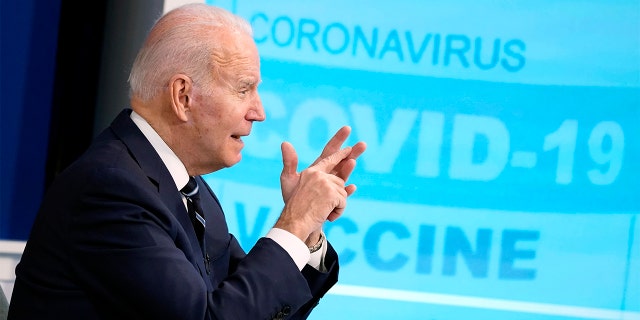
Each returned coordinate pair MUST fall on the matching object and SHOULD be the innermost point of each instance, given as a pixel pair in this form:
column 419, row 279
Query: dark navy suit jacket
column 113, row 240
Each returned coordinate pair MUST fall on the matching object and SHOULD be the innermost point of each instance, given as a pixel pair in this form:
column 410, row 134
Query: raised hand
column 290, row 176
column 317, row 193
column 344, row 168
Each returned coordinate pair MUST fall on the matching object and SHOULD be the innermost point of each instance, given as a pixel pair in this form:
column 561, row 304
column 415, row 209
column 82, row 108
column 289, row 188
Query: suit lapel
column 151, row 163
column 216, row 230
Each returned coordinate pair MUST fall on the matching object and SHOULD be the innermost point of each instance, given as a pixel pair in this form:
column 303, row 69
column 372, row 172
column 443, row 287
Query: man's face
column 227, row 115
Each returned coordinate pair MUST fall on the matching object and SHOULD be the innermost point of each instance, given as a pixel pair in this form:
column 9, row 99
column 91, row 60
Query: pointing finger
column 357, row 150
column 345, row 168
column 334, row 144
column 329, row 163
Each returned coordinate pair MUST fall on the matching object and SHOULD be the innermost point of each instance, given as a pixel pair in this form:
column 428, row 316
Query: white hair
column 181, row 41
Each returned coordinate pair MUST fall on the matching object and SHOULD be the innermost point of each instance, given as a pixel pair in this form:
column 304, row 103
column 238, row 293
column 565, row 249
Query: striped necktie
column 190, row 191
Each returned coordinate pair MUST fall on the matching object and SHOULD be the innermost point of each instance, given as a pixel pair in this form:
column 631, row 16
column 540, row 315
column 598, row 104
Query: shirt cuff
column 296, row 248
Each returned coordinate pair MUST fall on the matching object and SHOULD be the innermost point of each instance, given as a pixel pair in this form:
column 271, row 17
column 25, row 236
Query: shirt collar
column 171, row 161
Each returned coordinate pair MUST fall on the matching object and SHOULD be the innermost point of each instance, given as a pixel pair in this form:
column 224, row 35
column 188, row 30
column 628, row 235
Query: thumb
column 329, row 163
column 289, row 159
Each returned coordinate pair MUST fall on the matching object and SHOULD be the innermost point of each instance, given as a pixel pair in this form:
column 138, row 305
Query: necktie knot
column 191, row 189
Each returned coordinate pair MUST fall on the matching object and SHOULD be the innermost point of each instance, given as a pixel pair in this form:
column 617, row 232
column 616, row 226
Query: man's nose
column 256, row 113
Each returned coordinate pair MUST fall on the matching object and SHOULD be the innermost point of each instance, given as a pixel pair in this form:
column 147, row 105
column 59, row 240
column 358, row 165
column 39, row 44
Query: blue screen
column 501, row 178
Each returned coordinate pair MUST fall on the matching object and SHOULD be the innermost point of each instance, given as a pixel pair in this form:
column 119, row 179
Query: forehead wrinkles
column 233, row 61
column 231, row 67
column 230, row 48
column 225, row 58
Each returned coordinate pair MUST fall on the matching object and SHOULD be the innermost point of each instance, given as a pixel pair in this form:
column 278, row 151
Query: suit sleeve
column 134, row 257
column 318, row 282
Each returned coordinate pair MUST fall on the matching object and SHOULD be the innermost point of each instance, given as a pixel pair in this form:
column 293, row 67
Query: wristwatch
column 318, row 244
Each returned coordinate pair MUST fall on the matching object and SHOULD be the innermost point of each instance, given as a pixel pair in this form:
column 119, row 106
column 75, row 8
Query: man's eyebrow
column 249, row 82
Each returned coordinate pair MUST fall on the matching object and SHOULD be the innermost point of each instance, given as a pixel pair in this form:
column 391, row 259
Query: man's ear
column 181, row 88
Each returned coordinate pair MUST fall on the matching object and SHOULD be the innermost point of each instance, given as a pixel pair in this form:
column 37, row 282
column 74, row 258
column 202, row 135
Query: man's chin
column 233, row 162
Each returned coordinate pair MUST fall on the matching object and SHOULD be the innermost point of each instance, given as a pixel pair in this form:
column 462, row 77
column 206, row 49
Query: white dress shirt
column 296, row 248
